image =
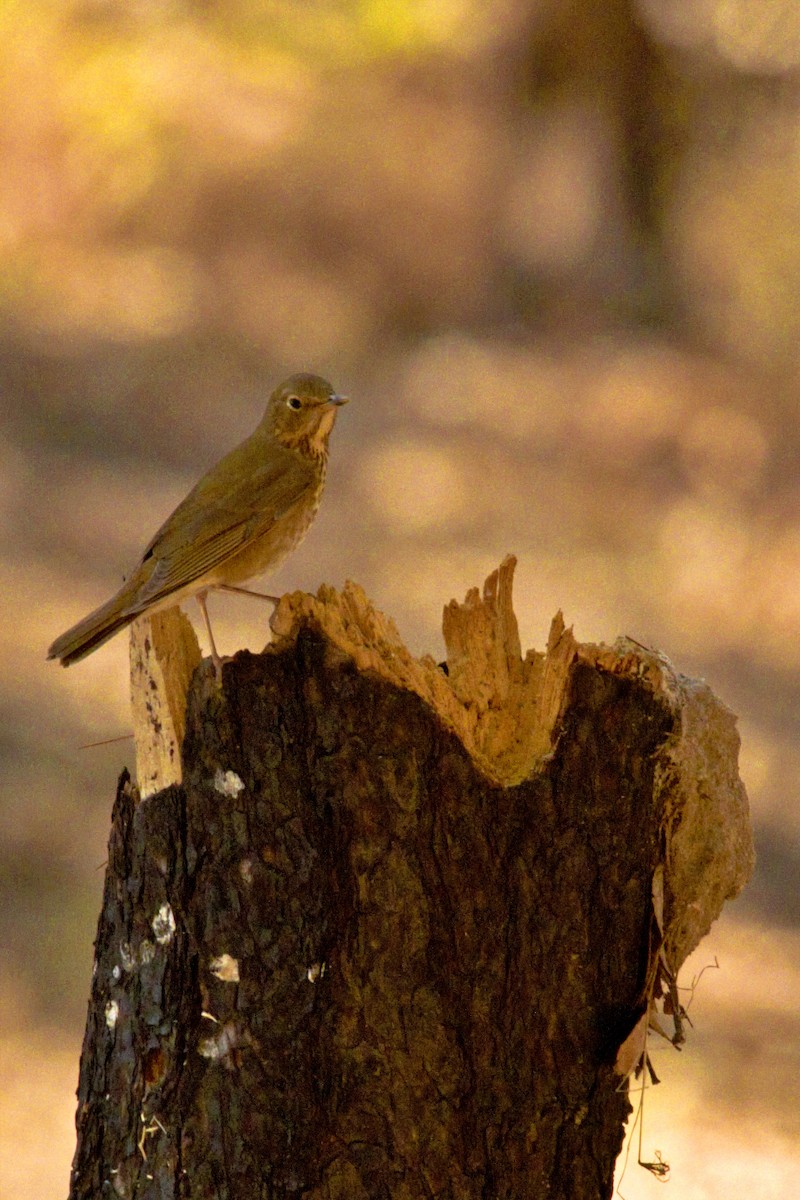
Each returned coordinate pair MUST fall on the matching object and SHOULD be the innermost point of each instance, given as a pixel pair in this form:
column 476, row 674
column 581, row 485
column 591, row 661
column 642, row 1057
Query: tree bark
column 389, row 933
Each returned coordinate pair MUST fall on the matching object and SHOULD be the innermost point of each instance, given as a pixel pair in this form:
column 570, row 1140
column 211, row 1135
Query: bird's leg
column 215, row 658
column 229, row 587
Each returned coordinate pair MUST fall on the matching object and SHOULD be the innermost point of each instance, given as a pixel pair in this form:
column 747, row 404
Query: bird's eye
column 294, row 402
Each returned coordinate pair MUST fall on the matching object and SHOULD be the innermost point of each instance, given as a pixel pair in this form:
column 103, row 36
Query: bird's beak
column 337, row 400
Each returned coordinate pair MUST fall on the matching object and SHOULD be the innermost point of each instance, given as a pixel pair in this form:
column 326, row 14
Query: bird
column 242, row 519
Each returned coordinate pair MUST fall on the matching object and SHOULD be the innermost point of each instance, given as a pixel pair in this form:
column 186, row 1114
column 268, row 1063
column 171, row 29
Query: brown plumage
column 242, row 519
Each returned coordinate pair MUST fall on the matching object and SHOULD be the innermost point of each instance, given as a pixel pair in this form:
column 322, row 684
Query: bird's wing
column 237, row 501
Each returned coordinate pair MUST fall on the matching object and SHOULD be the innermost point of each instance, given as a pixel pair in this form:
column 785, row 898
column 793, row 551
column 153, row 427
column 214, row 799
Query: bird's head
column 301, row 412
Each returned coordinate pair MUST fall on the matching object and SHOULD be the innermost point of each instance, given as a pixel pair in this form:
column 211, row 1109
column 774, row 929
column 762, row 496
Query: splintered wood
column 164, row 653
column 507, row 709
column 503, row 707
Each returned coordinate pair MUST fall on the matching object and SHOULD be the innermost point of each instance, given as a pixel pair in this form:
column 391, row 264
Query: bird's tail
column 93, row 630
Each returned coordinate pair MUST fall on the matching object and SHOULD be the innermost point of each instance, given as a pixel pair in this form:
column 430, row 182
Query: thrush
column 241, row 520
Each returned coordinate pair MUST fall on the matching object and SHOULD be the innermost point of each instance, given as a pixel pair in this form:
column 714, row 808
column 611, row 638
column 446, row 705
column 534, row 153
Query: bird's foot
column 215, row 658
column 229, row 587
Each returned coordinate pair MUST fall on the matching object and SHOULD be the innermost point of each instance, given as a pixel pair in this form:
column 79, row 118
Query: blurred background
column 551, row 249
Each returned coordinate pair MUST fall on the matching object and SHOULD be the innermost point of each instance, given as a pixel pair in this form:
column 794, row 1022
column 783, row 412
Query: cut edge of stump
column 506, row 708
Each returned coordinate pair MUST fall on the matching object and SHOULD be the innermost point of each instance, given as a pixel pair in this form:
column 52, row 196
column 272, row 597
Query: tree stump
column 400, row 927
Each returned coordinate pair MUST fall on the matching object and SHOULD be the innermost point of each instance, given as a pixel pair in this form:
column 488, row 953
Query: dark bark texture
column 370, row 972
column 338, row 962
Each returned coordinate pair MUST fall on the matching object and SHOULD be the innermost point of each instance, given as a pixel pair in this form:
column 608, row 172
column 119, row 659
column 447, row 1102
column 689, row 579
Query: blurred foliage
column 171, row 166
